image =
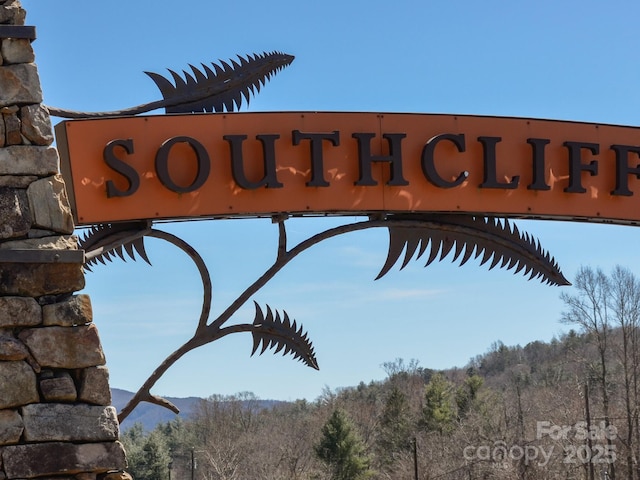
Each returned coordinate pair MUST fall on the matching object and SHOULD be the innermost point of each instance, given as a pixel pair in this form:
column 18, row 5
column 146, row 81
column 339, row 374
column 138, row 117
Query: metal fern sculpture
column 108, row 240
column 274, row 332
column 219, row 88
column 490, row 238
column 223, row 87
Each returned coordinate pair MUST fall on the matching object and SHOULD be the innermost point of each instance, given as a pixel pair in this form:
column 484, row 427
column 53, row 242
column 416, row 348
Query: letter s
column 124, row 169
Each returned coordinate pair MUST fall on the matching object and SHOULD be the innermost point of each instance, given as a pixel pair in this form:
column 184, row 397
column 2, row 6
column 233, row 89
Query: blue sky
column 570, row 60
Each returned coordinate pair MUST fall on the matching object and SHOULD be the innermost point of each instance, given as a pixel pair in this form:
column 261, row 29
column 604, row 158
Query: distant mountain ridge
column 150, row 415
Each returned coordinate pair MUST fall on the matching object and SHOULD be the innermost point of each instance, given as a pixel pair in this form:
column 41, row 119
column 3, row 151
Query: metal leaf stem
column 218, row 88
column 208, row 332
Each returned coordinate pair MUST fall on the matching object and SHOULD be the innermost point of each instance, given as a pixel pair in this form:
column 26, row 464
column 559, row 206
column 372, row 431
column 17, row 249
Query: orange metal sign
column 302, row 163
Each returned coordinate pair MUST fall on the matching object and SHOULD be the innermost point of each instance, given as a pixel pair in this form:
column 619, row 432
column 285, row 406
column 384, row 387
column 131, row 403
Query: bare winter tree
column 625, row 300
column 591, row 309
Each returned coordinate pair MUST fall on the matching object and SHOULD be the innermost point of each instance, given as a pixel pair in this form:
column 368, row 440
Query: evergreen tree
column 467, row 393
column 437, row 412
column 395, row 426
column 147, row 455
column 341, row 449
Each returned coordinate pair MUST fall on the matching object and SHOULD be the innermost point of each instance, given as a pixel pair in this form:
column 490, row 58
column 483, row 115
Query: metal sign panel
column 303, row 163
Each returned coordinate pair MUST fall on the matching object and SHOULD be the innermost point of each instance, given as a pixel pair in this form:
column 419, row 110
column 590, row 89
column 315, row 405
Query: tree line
column 564, row 409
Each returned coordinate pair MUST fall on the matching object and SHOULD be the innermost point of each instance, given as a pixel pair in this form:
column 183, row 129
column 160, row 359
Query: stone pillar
column 55, row 413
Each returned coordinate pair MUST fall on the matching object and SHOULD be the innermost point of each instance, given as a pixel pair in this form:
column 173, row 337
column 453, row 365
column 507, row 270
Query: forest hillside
column 564, row 409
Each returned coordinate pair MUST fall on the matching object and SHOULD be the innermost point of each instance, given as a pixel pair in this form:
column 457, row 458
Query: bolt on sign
column 306, row 163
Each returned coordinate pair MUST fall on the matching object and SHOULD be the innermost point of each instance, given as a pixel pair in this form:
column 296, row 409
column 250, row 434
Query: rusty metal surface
column 308, row 174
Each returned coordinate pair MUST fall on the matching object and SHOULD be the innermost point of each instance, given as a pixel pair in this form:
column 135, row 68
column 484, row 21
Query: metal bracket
column 18, row 31
column 41, row 256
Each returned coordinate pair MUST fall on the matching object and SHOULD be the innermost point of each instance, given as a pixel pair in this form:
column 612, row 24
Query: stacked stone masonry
column 55, row 415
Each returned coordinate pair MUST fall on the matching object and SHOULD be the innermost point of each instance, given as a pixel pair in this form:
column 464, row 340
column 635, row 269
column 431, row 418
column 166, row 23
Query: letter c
column 428, row 163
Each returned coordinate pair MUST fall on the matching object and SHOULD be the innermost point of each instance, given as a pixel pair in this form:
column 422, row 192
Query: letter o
column 516, row 452
column 556, row 432
column 162, row 164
